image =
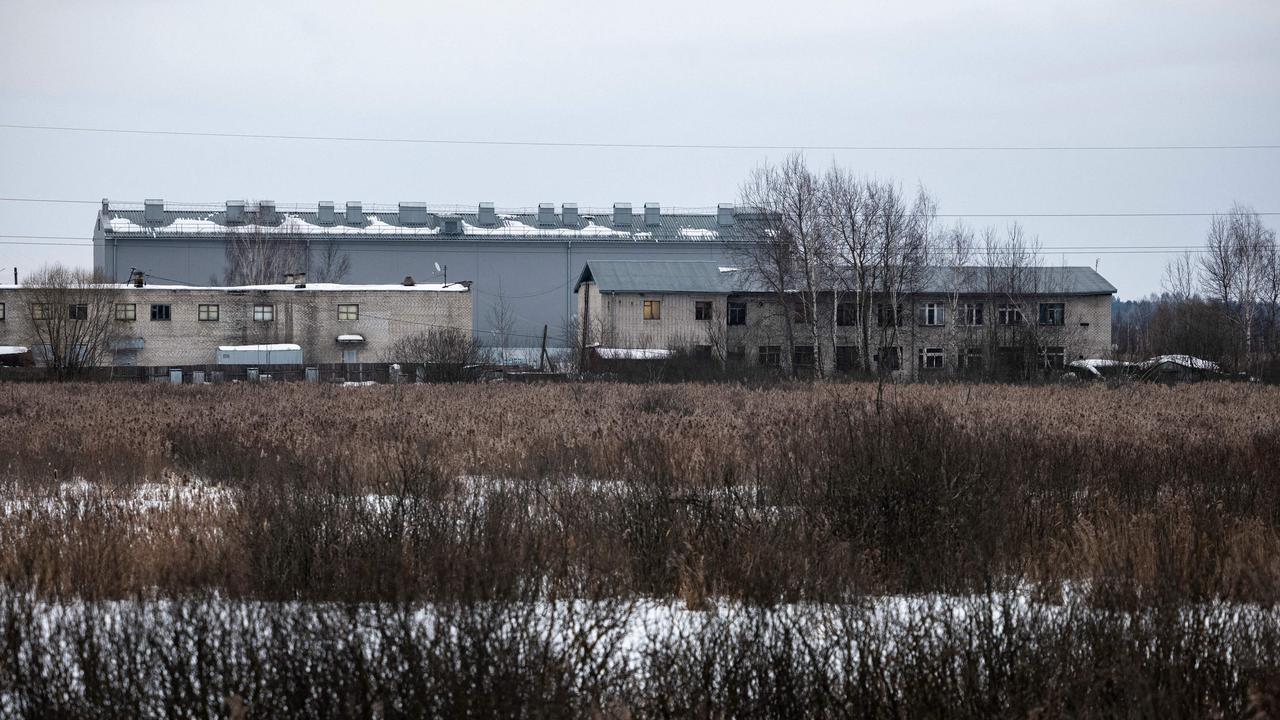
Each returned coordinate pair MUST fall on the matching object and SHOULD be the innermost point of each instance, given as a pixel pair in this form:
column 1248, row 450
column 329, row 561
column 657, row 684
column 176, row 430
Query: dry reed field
column 614, row 550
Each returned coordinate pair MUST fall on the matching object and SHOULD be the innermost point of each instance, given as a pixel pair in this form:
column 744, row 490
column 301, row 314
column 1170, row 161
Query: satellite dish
column 437, row 267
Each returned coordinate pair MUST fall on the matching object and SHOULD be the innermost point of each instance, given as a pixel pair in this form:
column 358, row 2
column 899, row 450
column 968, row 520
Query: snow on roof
column 1187, row 361
column 350, row 338
column 632, row 353
column 325, row 287
column 13, row 350
column 276, row 347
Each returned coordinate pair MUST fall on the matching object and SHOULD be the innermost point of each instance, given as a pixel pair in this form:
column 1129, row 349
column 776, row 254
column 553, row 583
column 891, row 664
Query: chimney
column 724, row 214
column 622, row 214
column 652, row 214
column 153, row 211
column 266, row 212
column 486, row 216
column 569, row 215
column 288, row 278
column 546, row 214
column 300, row 280
column 355, row 213
column 235, row 212
column 324, row 212
column 408, row 281
column 413, row 214
column 137, row 277
column 451, row 224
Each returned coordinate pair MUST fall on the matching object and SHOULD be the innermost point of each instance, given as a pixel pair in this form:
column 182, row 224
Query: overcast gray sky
column 767, row 73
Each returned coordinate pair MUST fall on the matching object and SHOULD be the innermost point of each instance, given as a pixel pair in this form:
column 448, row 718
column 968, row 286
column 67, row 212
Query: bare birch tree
column 70, row 317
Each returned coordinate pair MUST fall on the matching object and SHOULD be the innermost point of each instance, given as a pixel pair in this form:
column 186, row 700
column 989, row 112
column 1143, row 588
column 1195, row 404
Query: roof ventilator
column 622, row 214
column 408, row 281
column 413, row 214
column 235, row 212
column 546, row 214
column 452, row 225
column 486, row 216
column 324, row 212
column 355, row 213
column 569, row 215
column 652, row 214
column 153, row 211
column 266, row 212
column 724, row 214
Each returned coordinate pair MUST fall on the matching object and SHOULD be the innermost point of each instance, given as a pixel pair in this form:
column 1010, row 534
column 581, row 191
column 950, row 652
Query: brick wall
column 307, row 317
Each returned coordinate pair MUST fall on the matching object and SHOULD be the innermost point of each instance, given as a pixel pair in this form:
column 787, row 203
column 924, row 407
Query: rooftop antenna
column 443, row 271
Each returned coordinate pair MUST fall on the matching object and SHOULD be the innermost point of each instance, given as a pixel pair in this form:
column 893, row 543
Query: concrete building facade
column 159, row 325
column 956, row 321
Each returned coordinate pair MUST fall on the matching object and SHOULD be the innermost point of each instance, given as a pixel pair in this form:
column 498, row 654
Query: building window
column 888, row 315
column 126, row 312
column 737, row 355
column 350, row 357
column 40, row 311
column 77, row 311
column 737, row 314
column 1053, row 357
column 889, row 358
column 264, row 313
column 971, row 314
column 207, row 313
column 702, row 310
column 652, row 309
column 803, row 356
column 1009, row 314
column 1, row 312
column 847, row 314
column 931, row 358
column 1053, row 313
column 933, row 314
column 971, row 358
column 846, row 358
column 348, row 312
column 161, row 312
column 703, row 352
column 770, row 355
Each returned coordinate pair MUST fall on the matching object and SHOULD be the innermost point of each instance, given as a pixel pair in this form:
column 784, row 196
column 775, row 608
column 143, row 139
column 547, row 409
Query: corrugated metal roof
column 712, row 277
column 682, row 227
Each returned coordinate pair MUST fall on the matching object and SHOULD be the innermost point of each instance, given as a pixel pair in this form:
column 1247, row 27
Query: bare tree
column 261, row 255
column 333, row 265
column 70, row 317
column 445, row 352
column 792, row 254
column 1234, row 271
column 502, row 318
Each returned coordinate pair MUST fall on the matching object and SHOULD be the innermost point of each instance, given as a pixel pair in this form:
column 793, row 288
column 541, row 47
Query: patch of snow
column 699, row 233
column 13, row 350
column 632, row 353
column 276, row 347
column 350, row 338
column 1187, row 361
column 323, row 287
column 728, row 269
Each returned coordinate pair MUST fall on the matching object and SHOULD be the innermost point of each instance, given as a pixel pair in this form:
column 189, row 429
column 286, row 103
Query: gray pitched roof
column 712, row 277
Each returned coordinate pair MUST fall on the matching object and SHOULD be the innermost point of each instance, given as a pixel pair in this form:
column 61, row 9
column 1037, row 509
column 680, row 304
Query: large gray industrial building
column 525, row 261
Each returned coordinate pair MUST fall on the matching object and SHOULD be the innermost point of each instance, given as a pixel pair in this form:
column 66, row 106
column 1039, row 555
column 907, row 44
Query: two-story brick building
column 955, row 320
column 158, row 325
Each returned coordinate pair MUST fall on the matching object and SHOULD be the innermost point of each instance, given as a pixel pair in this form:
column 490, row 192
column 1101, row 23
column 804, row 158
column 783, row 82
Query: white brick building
column 957, row 321
column 157, row 325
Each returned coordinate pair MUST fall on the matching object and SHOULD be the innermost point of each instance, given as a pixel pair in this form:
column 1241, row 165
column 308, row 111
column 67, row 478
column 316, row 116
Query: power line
column 638, row 146
column 1063, row 250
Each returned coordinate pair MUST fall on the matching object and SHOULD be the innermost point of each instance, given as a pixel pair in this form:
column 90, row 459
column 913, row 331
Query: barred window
column 264, row 313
